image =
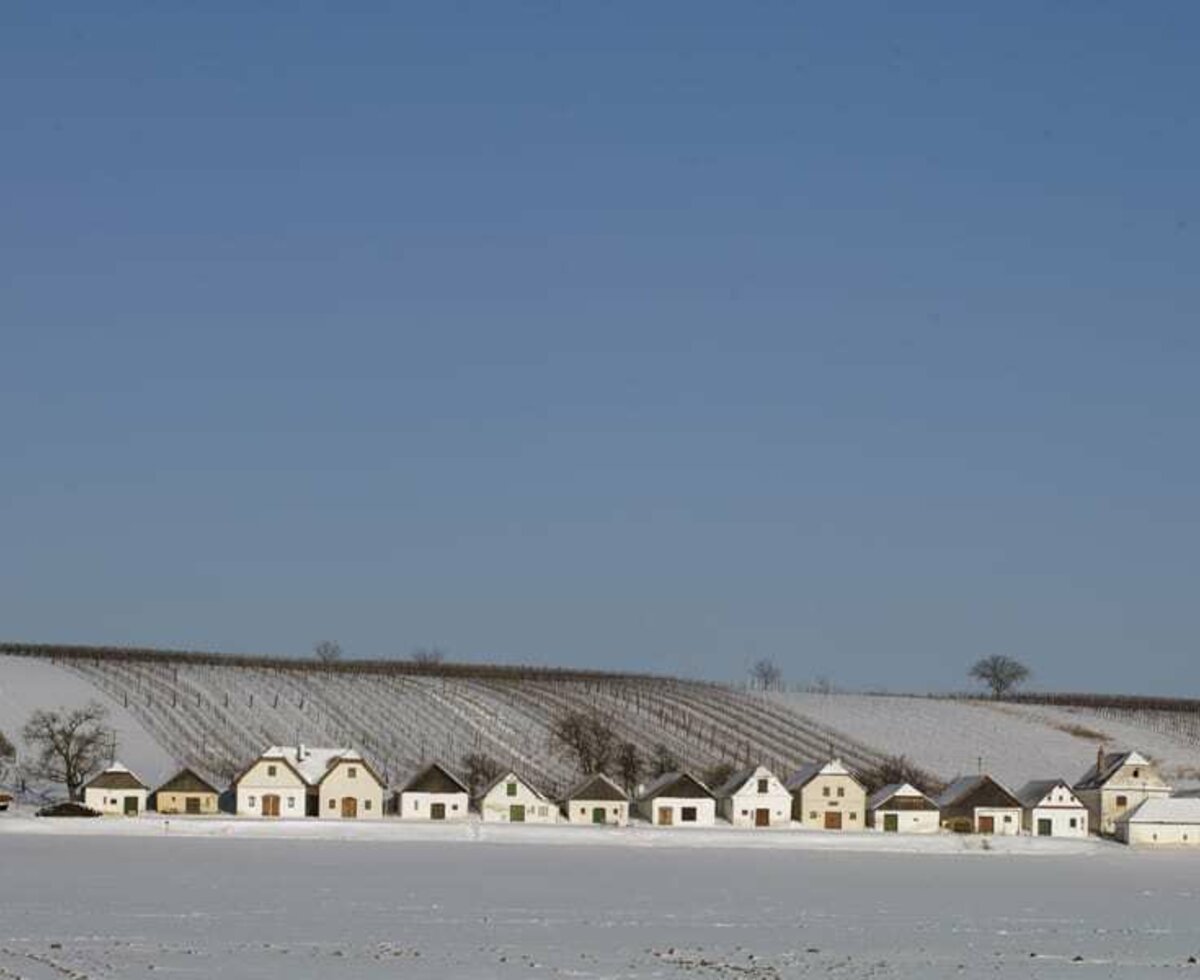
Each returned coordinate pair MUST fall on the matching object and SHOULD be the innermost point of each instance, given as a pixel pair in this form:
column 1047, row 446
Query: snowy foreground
column 119, row 898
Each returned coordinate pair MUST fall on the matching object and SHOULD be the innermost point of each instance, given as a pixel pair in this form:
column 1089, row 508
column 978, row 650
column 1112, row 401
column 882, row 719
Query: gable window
column 1122, row 802
column 687, row 814
column 763, row 785
column 841, row 791
column 352, row 772
column 1137, row 774
column 272, row 770
column 511, row 789
column 824, row 790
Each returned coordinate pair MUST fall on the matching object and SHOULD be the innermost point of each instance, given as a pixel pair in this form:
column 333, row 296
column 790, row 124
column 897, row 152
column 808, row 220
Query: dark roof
column 598, row 787
column 735, row 782
column 118, row 777
column 1036, row 790
column 885, row 794
column 435, row 778
column 1106, row 767
column 186, row 781
column 960, row 792
column 508, row 776
column 678, row 784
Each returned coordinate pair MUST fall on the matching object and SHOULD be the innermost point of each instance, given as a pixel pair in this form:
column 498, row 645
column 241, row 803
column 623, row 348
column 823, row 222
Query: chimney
column 301, row 752
column 1100, row 760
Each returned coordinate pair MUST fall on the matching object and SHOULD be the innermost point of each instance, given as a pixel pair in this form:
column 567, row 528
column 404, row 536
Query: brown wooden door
column 666, row 816
column 762, row 817
column 270, row 805
column 437, row 811
column 987, row 825
column 191, row 804
column 349, row 808
column 833, row 820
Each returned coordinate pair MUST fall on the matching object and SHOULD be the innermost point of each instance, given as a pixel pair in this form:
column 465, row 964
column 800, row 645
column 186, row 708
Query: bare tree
column 662, row 761
column 1001, row 674
column 327, row 651
column 587, row 738
column 68, row 746
column 766, row 674
column 629, row 766
column 718, row 775
column 479, row 769
column 6, row 747
column 428, row 656
column 898, row 769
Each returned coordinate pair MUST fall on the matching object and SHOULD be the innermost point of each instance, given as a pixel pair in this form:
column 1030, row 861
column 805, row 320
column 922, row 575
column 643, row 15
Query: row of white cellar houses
column 1123, row 795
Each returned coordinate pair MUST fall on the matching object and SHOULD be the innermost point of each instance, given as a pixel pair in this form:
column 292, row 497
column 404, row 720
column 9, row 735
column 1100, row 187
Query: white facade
column 271, row 788
column 1171, row 822
column 433, row 806
column 116, row 792
column 350, row 790
column 755, row 798
column 1052, row 810
column 1117, row 785
column 510, row 799
column 903, row 809
column 599, row 801
column 678, row 800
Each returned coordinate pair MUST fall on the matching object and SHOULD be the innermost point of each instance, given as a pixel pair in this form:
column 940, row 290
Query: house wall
column 177, row 802
column 1160, row 835
column 706, row 810
column 1007, row 819
column 362, row 787
column 418, row 806
column 258, row 782
column 908, row 821
column 496, row 806
column 1104, row 805
column 1061, row 818
column 821, row 796
column 616, row 812
column 112, row 801
column 739, row 809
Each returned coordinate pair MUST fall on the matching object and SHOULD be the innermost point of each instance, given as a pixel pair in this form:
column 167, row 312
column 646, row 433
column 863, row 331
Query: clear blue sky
column 862, row 336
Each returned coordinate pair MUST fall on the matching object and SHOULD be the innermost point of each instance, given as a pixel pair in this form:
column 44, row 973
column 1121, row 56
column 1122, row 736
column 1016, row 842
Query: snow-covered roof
column 313, row 762
column 892, row 790
column 739, row 779
column 810, row 771
column 1168, row 810
column 598, row 787
column 116, row 776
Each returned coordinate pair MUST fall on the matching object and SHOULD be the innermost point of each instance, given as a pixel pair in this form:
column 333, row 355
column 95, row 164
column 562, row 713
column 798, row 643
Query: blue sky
column 643, row 336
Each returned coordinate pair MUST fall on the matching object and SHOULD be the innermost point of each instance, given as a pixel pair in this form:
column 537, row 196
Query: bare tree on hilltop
column 327, row 651
column 428, row 656
column 766, row 675
column 587, row 738
column 999, row 673
column 629, row 766
column 68, row 746
column 479, row 769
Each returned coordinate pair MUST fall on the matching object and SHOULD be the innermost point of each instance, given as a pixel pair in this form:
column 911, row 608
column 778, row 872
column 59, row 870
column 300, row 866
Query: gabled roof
column 312, row 765
column 435, row 778
column 1036, row 790
column 186, row 781
column 351, row 758
column 598, row 787
column 810, row 771
column 1169, row 810
column 886, row 793
column 1107, row 766
column 678, row 784
column 116, row 776
column 740, row 779
column 960, row 791
column 508, row 776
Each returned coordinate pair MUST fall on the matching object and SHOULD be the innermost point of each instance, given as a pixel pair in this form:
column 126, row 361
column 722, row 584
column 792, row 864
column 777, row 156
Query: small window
column 1008, row 818
column 291, row 802
column 583, row 811
column 853, row 815
column 366, row 804
column 764, row 785
column 812, row 814
column 250, row 801
column 824, row 790
column 453, row 806
column 841, row 791
column 1137, row 774
column 1122, row 802
column 416, row 804
column 352, row 772
column 543, row 811
column 511, row 789
column 687, row 814
column 272, row 770
column 745, row 813
column 1074, row 823
column 616, row 811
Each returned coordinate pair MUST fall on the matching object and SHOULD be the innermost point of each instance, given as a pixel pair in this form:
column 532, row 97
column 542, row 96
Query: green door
column 891, row 823
column 516, row 813
column 1045, row 827
column 597, row 814
column 131, row 806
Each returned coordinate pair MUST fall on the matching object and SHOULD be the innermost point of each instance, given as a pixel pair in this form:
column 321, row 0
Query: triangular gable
column 977, row 791
column 435, row 778
column 510, row 777
column 682, row 785
column 600, row 788
column 886, row 794
column 351, row 759
column 115, row 776
column 186, row 781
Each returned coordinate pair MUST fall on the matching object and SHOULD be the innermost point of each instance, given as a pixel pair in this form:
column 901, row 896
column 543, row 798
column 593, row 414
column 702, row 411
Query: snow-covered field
column 83, row 906
column 1014, row 742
